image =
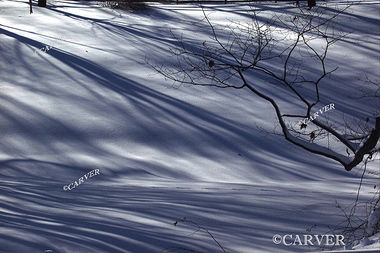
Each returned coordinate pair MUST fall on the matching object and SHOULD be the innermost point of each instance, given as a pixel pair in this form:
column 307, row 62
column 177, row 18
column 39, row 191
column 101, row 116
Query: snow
column 373, row 222
column 164, row 151
column 369, row 243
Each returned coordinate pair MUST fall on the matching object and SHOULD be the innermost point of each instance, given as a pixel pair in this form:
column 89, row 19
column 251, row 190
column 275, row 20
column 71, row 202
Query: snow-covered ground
column 77, row 94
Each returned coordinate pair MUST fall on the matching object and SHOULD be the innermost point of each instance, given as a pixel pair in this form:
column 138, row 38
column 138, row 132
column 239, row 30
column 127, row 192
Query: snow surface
column 373, row 222
column 369, row 243
column 76, row 94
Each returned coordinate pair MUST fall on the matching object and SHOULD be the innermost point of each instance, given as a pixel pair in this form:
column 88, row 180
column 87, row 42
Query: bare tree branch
column 270, row 48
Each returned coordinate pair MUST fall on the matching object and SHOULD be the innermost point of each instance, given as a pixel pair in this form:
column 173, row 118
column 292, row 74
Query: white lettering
column 329, row 240
column 298, row 239
column 307, row 240
column 317, row 113
column 284, row 240
column 319, row 240
column 81, row 180
column 340, row 241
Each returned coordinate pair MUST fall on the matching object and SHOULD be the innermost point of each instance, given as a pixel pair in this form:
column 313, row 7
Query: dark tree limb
column 367, row 147
column 250, row 48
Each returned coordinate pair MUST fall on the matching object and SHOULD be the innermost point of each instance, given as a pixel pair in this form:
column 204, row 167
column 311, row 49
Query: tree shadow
column 131, row 217
column 107, row 214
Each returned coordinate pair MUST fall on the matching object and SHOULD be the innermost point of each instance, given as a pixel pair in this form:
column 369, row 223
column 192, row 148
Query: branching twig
column 260, row 48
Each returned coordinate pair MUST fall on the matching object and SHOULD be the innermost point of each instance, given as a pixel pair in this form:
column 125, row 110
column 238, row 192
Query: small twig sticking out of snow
column 200, row 228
